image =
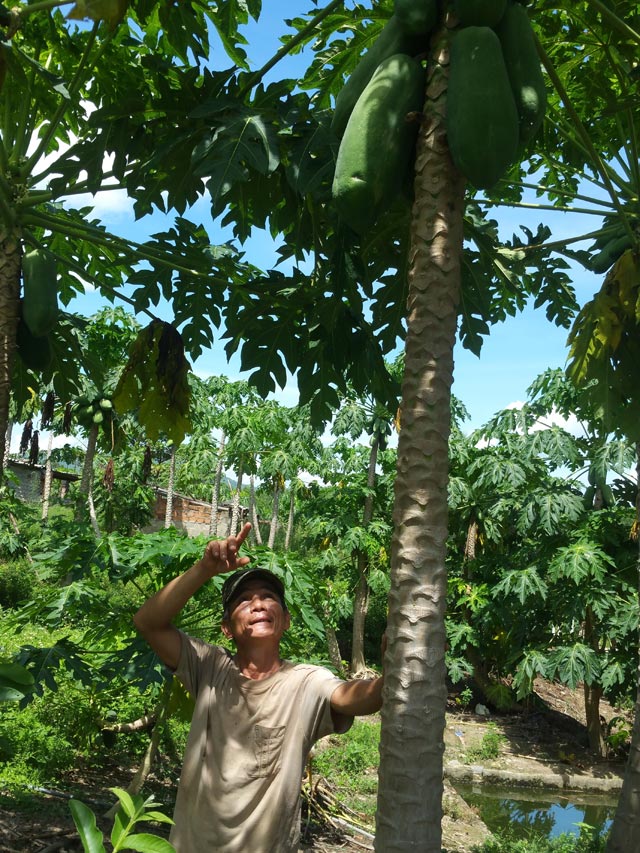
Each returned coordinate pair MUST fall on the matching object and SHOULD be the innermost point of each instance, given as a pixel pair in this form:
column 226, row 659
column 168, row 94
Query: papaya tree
column 77, row 93
column 423, row 250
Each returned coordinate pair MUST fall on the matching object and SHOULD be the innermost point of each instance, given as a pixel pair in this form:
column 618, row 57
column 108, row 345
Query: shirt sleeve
column 197, row 664
column 327, row 723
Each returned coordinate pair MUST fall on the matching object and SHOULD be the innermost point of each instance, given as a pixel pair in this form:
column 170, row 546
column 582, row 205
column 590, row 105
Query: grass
column 584, row 843
column 350, row 762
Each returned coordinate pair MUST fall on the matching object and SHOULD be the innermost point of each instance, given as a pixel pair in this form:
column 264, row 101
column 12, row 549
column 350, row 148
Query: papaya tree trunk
column 409, row 811
column 215, row 494
column 235, row 506
column 625, row 830
column 7, row 446
column 593, row 692
column 10, row 257
column 161, row 714
column 168, row 515
column 86, row 481
column 46, row 489
column 361, row 601
column 253, row 511
column 289, row 534
column 273, row 527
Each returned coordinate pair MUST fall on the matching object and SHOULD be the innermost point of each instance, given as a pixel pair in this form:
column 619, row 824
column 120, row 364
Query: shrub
column 489, row 747
column 17, row 579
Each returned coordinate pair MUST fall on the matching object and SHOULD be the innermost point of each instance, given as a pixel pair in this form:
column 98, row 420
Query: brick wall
column 190, row 515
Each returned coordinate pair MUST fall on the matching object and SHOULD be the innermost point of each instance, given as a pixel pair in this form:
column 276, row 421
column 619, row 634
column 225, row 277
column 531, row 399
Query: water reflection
column 540, row 813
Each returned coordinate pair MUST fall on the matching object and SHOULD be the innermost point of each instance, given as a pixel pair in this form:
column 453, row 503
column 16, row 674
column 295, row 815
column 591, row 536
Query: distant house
column 30, row 480
column 191, row 515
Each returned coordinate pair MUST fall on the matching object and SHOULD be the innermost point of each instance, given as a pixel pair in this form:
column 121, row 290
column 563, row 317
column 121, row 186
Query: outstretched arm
column 360, row 697
column 154, row 619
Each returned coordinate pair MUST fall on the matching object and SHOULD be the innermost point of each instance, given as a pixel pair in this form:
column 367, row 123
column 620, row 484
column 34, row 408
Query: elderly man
column 256, row 715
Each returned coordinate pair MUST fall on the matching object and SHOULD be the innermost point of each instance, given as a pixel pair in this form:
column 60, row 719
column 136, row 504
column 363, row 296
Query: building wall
column 190, row 515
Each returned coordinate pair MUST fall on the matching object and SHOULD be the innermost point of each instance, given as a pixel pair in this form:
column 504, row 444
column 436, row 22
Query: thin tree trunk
column 215, row 495
column 168, row 515
column 253, row 511
column 86, row 481
column 361, row 602
column 410, row 787
column 235, row 506
column 593, row 692
column 46, row 489
column 10, row 260
column 289, row 534
column 334, row 647
column 161, row 713
column 7, row 446
column 625, row 830
column 273, row 527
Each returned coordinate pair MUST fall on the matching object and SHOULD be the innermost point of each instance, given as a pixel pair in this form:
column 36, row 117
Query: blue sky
column 512, row 356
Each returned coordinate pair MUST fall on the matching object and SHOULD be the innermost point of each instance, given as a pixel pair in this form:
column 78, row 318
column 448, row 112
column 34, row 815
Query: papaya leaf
column 523, row 583
column 573, row 664
column 85, row 821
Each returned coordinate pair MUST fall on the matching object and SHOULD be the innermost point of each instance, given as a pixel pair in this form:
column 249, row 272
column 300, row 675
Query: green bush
column 586, row 842
column 489, row 747
column 17, row 579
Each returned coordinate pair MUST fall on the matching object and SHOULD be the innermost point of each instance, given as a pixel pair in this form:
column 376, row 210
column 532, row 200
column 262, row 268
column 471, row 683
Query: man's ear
column 226, row 630
column 287, row 620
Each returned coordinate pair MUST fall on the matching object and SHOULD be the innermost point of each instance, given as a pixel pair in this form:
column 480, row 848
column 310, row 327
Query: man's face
column 256, row 612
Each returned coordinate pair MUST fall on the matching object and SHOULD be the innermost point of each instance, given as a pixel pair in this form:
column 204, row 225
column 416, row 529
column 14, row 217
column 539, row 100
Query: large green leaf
column 85, row 821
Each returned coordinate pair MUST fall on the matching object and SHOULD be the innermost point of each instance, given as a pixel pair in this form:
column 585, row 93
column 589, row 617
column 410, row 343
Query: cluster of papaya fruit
column 38, row 309
column 89, row 412
column 613, row 241
column 598, row 493
column 495, row 103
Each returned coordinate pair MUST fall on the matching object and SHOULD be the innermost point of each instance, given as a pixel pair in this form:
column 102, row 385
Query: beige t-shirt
column 239, row 790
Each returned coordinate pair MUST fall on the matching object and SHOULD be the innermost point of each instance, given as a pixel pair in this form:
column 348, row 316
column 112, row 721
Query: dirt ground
column 544, row 746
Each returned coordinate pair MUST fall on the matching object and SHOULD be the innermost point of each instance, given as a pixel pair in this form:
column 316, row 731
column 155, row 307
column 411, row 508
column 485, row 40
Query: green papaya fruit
column 606, row 258
column 588, row 497
column 105, row 404
column 416, row 17
column 607, row 496
column 392, row 39
column 34, row 350
column 40, row 292
column 482, row 118
column 377, row 146
column 523, row 68
column 479, row 13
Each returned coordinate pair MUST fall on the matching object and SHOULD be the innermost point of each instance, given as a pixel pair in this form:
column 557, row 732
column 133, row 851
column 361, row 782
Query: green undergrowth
column 350, row 763
column 588, row 841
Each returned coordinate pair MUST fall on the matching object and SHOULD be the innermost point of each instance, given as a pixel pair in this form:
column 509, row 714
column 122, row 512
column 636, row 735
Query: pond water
column 543, row 813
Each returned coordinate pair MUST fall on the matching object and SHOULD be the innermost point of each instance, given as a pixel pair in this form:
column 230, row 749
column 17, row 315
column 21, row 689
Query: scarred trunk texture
column 253, row 512
column 10, row 254
column 235, row 506
column 413, row 713
column 625, row 831
column 168, row 515
column 46, row 490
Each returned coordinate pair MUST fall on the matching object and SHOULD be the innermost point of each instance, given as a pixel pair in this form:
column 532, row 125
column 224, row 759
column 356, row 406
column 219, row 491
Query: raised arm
column 154, row 619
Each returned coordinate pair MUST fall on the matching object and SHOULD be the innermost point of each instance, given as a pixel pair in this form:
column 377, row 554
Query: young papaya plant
column 132, row 810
